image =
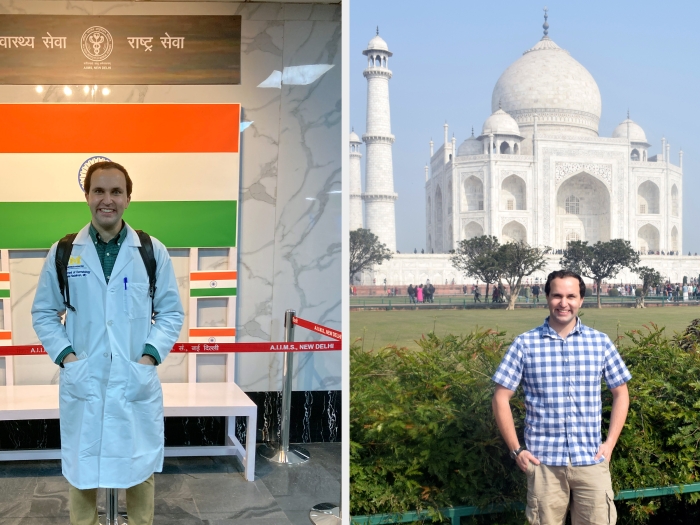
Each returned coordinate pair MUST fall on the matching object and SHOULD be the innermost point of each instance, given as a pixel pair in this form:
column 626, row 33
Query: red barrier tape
column 202, row 348
column 317, row 328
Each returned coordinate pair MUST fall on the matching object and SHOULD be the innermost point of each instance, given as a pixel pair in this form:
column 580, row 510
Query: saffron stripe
column 212, row 332
column 5, row 335
column 4, row 276
column 177, row 224
column 212, row 276
column 133, row 128
column 212, row 292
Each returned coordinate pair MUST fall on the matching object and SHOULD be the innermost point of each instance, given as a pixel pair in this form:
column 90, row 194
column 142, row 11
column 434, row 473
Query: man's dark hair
column 105, row 165
column 563, row 274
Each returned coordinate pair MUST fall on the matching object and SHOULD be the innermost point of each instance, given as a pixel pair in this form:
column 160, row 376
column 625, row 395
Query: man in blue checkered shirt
column 560, row 365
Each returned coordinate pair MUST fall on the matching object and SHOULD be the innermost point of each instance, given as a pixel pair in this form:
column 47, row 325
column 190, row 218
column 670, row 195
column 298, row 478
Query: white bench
column 179, row 400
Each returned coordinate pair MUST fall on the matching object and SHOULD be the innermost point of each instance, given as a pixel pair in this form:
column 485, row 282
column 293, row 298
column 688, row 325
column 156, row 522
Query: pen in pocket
column 125, row 283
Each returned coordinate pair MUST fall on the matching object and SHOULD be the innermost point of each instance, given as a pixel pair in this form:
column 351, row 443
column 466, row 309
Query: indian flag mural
column 183, row 160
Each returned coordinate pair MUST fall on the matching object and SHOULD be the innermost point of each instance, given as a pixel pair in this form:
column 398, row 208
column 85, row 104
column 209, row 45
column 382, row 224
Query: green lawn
column 380, row 328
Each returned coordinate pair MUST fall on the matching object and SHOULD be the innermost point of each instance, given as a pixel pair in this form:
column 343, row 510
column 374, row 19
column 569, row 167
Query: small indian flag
column 213, row 284
column 5, row 338
column 212, row 335
column 4, row 284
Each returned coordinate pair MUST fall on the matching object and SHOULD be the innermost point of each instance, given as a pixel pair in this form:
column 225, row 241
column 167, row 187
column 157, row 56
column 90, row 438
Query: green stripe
column 211, row 292
column 177, row 224
column 4, row 294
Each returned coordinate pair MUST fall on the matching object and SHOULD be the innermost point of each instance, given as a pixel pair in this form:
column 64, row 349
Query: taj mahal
column 538, row 171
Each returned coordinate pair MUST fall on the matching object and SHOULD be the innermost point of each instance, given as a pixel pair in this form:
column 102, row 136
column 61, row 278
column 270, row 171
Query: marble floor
column 189, row 491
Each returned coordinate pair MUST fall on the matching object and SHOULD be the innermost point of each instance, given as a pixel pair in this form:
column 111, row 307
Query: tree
column 603, row 260
column 478, row 257
column 518, row 260
column 366, row 251
column 649, row 277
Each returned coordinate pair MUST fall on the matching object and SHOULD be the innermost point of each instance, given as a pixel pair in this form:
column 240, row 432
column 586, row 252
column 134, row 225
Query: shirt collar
column 119, row 239
column 548, row 331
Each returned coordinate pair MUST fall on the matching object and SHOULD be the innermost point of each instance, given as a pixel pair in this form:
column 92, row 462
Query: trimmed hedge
column 423, row 434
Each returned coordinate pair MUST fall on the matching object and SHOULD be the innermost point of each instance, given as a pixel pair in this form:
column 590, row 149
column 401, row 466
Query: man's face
column 564, row 300
column 107, row 198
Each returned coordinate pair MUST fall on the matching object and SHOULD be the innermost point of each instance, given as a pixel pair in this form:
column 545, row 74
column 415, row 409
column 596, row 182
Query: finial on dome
column 377, row 30
column 472, row 131
column 499, row 103
column 628, row 113
column 545, row 26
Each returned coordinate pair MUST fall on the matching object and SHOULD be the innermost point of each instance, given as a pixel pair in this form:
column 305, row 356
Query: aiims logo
column 96, row 43
column 84, row 167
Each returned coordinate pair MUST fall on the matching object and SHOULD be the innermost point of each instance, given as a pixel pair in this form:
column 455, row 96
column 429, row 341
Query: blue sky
column 448, row 55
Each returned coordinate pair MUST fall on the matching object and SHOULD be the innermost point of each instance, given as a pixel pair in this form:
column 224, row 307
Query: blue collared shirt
column 561, row 380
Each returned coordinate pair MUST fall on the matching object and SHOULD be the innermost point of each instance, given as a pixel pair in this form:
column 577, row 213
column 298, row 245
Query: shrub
column 423, row 435
column 613, row 292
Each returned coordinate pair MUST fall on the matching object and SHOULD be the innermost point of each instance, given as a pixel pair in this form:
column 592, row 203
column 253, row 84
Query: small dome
column 500, row 123
column 636, row 132
column 471, row 146
column 354, row 137
column 378, row 43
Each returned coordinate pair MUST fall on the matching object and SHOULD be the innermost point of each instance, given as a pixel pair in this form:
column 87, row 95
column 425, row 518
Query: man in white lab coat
column 111, row 402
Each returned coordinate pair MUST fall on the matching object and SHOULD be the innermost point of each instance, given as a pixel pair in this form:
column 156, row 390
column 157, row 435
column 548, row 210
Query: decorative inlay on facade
column 521, row 220
column 600, row 171
column 643, row 178
column 478, row 174
column 478, row 220
column 504, row 174
column 376, row 72
column 380, row 196
column 642, row 223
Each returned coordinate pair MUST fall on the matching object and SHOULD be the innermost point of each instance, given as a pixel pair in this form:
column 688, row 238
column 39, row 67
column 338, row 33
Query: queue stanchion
column 286, row 454
column 111, row 515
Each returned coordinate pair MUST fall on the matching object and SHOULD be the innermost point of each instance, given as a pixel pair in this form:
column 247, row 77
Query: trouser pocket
column 612, row 511
column 532, row 511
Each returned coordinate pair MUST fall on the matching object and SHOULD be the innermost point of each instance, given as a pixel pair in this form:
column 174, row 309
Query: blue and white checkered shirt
column 561, row 381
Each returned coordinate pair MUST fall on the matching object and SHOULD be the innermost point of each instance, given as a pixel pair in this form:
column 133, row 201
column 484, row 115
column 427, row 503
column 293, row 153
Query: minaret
column 379, row 194
column 355, row 182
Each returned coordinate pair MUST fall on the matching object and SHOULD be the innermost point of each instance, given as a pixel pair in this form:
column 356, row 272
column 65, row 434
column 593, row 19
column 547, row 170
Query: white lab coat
column 111, row 407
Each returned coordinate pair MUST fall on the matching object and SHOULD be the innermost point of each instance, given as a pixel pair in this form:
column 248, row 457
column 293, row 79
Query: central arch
column 583, row 207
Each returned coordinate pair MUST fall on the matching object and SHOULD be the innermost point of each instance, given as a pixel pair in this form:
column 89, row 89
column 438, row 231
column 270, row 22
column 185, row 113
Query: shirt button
column 109, row 323
column 105, row 354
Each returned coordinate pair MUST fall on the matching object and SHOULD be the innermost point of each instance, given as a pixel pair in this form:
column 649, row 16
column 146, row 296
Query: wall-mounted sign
column 44, row 50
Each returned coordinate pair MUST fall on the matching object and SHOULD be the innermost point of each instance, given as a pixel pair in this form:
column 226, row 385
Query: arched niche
column 473, row 194
column 438, row 219
column 648, row 198
column 513, row 193
column 505, row 148
column 430, row 210
column 471, row 230
column 674, row 239
column 583, row 205
column 648, row 238
column 674, row 200
column 514, row 232
column 634, row 154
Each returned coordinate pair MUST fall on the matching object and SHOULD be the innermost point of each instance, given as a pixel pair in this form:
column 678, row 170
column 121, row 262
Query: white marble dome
column 377, row 44
column 354, row 137
column 546, row 80
column 471, row 146
column 636, row 132
column 500, row 123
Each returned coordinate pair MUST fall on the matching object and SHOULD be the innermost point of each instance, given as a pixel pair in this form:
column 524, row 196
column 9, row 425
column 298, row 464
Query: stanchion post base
column 294, row 456
column 121, row 519
column 325, row 514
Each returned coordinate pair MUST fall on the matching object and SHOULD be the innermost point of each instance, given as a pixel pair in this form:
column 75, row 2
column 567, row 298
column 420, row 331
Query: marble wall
column 290, row 203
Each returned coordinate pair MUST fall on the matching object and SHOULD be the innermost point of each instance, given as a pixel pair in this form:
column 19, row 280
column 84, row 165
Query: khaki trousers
column 586, row 491
column 139, row 504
